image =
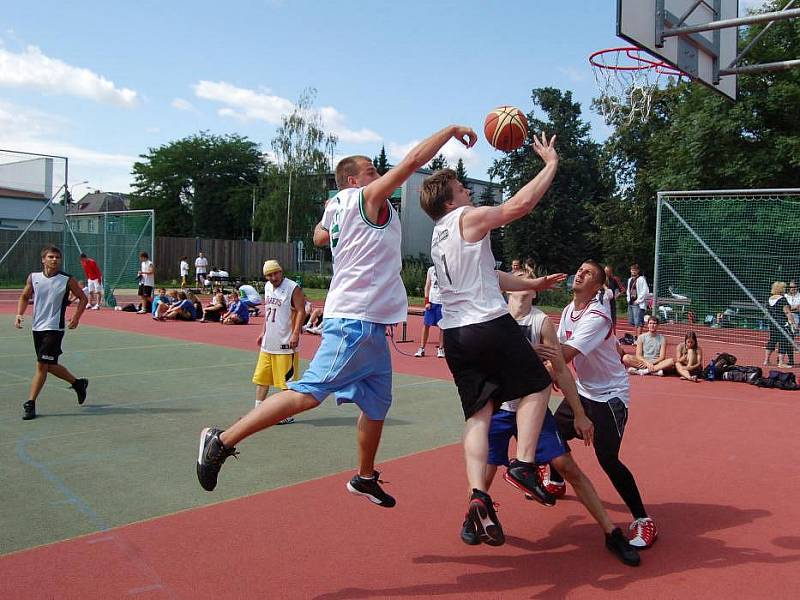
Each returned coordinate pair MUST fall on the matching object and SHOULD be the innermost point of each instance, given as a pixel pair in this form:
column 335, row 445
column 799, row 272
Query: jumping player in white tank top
column 50, row 291
column 490, row 360
column 284, row 314
column 353, row 361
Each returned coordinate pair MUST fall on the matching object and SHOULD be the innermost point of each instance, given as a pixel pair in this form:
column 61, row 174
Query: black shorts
column 609, row 420
column 492, row 361
column 48, row 346
column 145, row 290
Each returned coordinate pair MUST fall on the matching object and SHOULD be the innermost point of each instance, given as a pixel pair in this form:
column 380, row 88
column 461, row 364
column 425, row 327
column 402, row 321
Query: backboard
column 699, row 55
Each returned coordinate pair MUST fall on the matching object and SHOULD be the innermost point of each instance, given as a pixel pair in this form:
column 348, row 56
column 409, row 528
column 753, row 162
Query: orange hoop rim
column 641, row 63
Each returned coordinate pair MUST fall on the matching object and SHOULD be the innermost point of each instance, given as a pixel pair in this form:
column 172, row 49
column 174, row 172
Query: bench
column 665, row 306
column 745, row 313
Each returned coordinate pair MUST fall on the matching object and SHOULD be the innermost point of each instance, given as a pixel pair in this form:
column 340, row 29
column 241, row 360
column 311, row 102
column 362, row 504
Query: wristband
column 427, row 300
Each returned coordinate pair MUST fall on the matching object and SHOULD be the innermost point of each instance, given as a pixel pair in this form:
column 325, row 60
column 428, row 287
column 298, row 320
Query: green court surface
column 129, row 453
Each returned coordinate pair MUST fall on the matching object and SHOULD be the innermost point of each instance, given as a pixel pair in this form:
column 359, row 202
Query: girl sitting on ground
column 689, row 358
column 215, row 308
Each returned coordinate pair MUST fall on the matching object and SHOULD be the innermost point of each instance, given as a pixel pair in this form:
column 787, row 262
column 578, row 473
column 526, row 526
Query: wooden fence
column 241, row 258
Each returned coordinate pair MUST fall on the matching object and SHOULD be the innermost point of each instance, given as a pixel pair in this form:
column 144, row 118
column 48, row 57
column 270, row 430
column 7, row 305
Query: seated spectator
column 238, row 313
column 198, row 306
column 160, row 296
column 313, row 322
column 651, row 353
column 689, row 358
column 182, row 310
column 250, row 297
column 214, row 310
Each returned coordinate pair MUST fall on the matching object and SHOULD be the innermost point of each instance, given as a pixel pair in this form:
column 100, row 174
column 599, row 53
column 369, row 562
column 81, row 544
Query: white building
column 25, row 187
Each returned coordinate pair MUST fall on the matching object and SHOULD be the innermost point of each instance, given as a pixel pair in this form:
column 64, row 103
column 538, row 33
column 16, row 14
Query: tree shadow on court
column 346, row 421
column 573, row 555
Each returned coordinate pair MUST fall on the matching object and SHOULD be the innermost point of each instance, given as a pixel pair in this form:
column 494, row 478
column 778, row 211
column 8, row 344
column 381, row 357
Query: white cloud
column 34, row 70
column 574, row 74
column 744, row 5
column 181, row 104
column 251, row 105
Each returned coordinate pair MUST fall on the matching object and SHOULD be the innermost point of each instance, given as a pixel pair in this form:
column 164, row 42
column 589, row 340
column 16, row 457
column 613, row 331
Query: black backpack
column 742, row 374
column 722, row 362
column 779, row 380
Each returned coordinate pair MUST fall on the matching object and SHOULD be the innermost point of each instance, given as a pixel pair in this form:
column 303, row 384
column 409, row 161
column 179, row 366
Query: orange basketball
column 506, row 128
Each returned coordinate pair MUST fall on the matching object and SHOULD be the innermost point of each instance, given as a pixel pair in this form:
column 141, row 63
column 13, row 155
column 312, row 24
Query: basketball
column 506, row 128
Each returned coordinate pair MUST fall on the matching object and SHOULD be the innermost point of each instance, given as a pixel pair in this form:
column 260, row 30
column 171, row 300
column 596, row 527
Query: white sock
column 258, row 403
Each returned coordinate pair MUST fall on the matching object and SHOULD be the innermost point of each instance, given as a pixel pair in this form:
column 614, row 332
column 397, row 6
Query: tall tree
column 556, row 233
column 304, row 154
column 438, row 163
column 461, row 173
column 381, row 162
column 200, row 185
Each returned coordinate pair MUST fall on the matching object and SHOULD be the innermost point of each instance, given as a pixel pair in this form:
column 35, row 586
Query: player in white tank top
column 50, row 291
column 472, row 296
column 363, row 232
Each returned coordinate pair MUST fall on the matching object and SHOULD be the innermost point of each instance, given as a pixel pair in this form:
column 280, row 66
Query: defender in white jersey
column 50, row 290
column 284, row 314
column 432, row 314
column 366, row 294
column 587, row 340
column 490, row 360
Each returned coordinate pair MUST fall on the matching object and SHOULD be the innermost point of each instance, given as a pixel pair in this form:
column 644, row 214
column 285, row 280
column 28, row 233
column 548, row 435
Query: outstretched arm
column 475, row 224
column 512, row 283
column 379, row 190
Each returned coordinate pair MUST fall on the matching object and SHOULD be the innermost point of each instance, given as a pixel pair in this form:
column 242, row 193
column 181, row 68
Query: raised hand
column 546, row 149
column 466, row 135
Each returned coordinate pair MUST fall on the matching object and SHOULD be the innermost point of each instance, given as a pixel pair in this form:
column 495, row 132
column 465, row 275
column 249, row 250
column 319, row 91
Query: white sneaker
column 642, row 372
column 633, row 370
column 660, row 372
column 316, row 330
column 96, row 307
column 141, row 312
column 286, row 421
column 440, row 352
column 419, row 353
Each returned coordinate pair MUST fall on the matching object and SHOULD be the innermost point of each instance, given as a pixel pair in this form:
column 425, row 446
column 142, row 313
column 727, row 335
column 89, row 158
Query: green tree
column 438, row 163
column 304, row 154
column 200, row 185
column 556, row 234
column 381, row 162
column 461, row 173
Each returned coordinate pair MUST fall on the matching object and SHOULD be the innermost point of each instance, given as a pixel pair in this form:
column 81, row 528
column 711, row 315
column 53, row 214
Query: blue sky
column 101, row 82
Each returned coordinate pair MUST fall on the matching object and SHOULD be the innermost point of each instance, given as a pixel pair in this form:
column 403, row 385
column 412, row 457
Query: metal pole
column 726, row 23
column 289, row 207
column 783, row 65
column 36, row 218
column 659, row 202
column 754, row 41
column 253, row 218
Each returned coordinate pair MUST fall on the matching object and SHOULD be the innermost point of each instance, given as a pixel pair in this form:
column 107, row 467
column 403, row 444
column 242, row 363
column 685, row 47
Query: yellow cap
column 271, row 266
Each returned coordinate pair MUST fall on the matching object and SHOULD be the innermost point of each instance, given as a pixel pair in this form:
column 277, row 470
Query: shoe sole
column 489, row 532
column 513, row 482
column 655, row 539
column 470, row 539
column 369, row 497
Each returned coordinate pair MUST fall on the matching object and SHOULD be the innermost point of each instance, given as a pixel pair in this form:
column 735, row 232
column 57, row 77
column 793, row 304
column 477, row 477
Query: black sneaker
column 484, row 518
column 525, row 477
column 29, row 410
column 80, row 386
column 469, row 532
column 618, row 544
column 371, row 490
column 210, row 457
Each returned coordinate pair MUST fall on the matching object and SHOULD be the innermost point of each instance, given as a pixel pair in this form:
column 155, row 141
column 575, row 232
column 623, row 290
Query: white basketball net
column 626, row 79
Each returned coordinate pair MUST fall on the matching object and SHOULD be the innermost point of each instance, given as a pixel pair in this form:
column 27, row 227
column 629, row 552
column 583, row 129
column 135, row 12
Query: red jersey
column 91, row 269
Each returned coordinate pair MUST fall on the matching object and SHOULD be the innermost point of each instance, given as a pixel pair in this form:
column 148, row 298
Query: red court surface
column 716, row 463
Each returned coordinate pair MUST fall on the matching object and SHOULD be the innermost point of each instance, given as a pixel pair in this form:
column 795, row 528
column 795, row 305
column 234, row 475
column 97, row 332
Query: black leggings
column 609, row 419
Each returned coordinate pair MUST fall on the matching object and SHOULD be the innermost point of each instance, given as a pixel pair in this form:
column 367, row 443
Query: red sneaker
column 642, row 533
column 558, row 489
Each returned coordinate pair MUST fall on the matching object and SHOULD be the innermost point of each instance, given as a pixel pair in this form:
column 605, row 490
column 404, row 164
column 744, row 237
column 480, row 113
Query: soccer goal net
column 114, row 240
column 32, row 190
column 723, row 261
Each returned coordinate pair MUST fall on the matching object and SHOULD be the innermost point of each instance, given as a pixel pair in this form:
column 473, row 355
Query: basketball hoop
column 626, row 78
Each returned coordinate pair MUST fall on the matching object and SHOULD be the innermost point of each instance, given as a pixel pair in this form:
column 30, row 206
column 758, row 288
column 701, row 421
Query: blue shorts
column 504, row 426
column 432, row 315
column 352, row 362
column 635, row 315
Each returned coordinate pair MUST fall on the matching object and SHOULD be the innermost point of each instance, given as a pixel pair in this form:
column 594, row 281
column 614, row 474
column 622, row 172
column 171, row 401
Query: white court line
column 10, row 374
column 146, row 347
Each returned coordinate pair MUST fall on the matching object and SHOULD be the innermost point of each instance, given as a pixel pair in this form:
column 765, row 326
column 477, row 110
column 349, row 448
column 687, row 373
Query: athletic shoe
column 642, row 533
column 80, row 386
column 315, row 330
column 440, row 352
column 211, row 456
column 524, row 476
column 660, row 372
column 419, row 353
column 286, row 421
column 557, row 488
column 483, row 516
column 633, row 370
column 371, row 490
column 29, row 410
column 141, row 312
column 469, row 532
column 616, row 542
column 96, row 307
column 643, row 372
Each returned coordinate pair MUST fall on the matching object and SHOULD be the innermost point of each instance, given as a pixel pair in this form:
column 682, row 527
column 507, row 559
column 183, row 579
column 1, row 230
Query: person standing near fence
column 200, row 269
column 147, row 281
column 94, row 281
column 184, row 270
column 637, row 293
column 50, row 290
column 366, row 294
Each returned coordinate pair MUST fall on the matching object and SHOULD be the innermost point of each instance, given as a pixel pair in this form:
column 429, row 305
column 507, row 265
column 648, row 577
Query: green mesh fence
column 114, row 240
column 718, row 255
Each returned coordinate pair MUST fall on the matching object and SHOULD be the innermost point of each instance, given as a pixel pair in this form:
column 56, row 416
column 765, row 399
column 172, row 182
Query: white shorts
column 94, row 285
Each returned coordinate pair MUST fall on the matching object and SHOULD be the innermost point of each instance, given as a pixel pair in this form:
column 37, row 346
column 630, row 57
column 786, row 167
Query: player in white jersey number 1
column 489, row 358
column 50, row 290
column 366, row 294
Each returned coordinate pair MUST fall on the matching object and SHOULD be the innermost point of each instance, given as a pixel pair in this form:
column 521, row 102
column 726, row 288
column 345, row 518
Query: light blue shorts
column 352, row 362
